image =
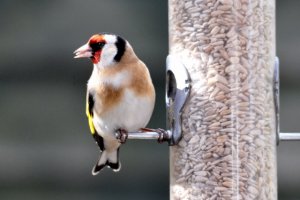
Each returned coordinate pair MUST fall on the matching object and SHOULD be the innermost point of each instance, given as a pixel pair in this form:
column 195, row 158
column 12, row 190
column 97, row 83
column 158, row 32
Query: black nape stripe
column 121, row 45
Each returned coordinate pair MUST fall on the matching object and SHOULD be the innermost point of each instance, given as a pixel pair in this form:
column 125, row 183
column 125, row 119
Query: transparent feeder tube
column 228, row 147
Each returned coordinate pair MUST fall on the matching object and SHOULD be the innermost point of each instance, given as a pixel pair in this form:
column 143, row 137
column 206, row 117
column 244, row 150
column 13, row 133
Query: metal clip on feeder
column 177, row 91
column 281, row 136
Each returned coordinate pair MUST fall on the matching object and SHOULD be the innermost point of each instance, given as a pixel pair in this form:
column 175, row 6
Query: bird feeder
column 228, row 145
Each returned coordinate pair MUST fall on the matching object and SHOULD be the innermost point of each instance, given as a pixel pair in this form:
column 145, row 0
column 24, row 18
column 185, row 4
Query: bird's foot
column 121, row 135
column 163, row 135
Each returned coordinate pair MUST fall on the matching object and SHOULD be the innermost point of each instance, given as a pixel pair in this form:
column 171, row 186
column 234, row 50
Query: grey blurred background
column 46, row 151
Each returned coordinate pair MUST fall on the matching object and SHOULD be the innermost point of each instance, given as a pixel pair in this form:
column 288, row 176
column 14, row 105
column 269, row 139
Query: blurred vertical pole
column 228, row 148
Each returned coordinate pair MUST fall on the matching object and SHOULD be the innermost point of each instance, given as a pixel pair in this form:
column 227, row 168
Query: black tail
column 110, row 159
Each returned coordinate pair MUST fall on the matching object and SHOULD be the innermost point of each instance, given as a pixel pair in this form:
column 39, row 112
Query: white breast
column 117, row 80
column 131, row 114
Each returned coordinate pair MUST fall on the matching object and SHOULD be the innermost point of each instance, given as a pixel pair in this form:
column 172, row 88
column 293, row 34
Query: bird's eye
column 97, row 46
column 101, row 44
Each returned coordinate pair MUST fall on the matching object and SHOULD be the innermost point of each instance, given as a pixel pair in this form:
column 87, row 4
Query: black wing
column 90, row 114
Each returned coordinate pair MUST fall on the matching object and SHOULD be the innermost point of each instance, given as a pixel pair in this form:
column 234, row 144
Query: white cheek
column 107, row 56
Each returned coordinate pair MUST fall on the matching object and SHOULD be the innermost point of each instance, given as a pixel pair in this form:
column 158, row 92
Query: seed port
column 171, row 86
column 178, row 89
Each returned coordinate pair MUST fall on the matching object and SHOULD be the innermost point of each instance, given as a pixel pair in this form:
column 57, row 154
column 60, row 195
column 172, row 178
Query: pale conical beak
column 84, row 51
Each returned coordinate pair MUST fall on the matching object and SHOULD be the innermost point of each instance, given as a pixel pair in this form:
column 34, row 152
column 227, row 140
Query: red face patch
column 96, row 42
column 96, row 57
column 96, row 38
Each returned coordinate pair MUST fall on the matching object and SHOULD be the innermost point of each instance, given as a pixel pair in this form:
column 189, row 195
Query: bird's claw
column 163, row 134
column 122, row 135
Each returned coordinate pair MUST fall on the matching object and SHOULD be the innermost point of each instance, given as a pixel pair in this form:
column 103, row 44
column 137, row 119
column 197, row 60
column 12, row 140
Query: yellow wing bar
column 89, row 113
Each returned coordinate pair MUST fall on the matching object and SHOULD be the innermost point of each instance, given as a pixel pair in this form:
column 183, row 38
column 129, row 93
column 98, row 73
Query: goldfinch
column 120, row 95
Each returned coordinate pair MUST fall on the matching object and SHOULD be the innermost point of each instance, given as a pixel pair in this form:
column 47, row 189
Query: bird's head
column 103, row 49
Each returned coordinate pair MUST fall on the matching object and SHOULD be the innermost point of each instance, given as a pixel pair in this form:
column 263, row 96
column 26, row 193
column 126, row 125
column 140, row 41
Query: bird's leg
column 122, row 135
